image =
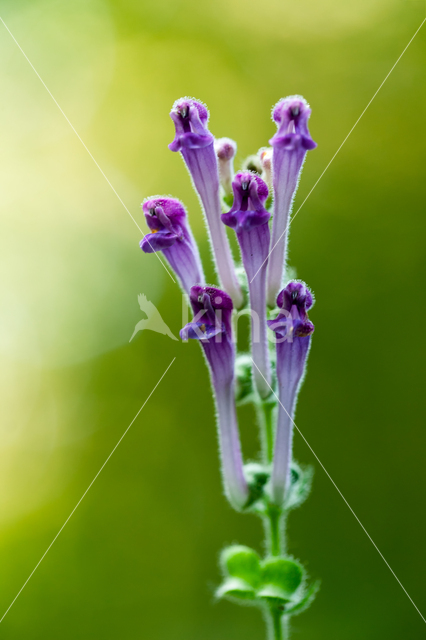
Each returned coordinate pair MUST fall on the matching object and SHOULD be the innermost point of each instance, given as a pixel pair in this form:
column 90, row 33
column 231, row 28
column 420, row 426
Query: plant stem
column 266, row 418
column 274, row 521
column 275, row 531
column 277, row 627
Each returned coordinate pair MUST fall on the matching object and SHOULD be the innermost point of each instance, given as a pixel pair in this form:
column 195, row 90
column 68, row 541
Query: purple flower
column 171, row 234
column 249, row 218
column 225, row 149
column 212, row 327
column 290, row 144
column 196, row 144
column 293, row 331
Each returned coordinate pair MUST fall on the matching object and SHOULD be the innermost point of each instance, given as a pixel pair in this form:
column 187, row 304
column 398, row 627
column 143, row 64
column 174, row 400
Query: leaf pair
column 275, row 580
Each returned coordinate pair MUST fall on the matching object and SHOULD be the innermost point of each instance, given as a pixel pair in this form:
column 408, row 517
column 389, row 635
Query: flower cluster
column 256, row 203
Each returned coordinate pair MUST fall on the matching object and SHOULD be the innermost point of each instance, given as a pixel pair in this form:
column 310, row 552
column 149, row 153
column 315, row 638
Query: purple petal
column 200, row 331
column 190, row 118
column 157, row 241
column 295, row 293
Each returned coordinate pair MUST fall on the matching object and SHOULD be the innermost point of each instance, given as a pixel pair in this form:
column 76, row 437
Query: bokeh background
column 138, row 559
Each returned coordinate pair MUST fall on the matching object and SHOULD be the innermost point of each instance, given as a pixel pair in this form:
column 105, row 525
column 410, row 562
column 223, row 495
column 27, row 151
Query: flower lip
column 183, row 108
column 212, row 309
column 161, row 211
column 165, row 218
column 210, row 298
column 295, row 294
column 248, row 210
column 291, row 115
column 291, row 108
column 190, row 118
column 294, row 302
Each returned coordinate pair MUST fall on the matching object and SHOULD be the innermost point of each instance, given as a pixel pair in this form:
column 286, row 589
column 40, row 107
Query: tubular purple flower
column 293, row 331
column 290, row 144
column 249, row 218
column 225, row 150
column 212, row 327
column 171, row 234
column 196, row 144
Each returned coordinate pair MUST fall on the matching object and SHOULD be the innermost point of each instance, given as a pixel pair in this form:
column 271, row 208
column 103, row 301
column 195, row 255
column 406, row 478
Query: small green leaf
column 280, row 578
column 236, row 588
column 305, row 601
column 242, row 563
column 273, row 593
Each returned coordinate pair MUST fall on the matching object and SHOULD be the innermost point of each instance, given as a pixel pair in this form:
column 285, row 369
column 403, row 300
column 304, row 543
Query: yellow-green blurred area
column 138, row 558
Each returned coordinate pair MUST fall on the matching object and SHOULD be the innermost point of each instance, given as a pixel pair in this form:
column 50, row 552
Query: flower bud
column 225, row 149
column 265, row 156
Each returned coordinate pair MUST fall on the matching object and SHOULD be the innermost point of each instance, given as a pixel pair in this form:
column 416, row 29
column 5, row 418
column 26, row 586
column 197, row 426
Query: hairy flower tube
column 293, row 332
column 249, row 218
column 290, row 145
column 196, row 144
column 212, row 327
column 171, row 234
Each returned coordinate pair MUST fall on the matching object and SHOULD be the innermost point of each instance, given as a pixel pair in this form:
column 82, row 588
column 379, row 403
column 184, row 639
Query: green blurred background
column 138, row 559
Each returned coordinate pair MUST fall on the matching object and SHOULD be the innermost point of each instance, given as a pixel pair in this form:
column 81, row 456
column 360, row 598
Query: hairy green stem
column 267, row 430
column 277, row 624
column 274, row 521
column 274, row 531
column 277, row 627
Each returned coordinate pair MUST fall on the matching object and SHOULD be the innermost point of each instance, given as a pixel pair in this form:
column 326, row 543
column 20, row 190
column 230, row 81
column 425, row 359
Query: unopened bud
column 225, row 149
column 265, row 156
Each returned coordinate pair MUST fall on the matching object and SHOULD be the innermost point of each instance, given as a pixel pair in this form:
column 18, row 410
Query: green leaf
column 280, row 578
column 242, row 563
column 305, row 601
column 273, row 593
column 236, row 588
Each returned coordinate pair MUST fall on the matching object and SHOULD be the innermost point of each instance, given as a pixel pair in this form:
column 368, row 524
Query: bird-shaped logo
column 154, row 321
